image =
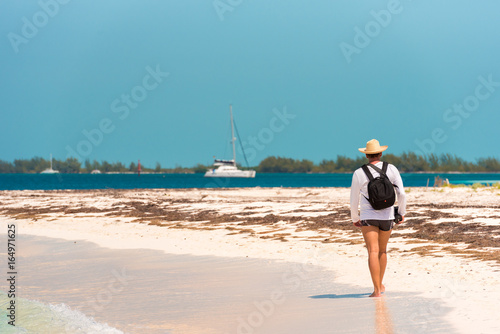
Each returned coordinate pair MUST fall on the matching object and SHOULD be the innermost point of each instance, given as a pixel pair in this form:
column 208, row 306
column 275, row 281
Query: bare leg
column 376, row 243
column 383, row 239
column 371, row 236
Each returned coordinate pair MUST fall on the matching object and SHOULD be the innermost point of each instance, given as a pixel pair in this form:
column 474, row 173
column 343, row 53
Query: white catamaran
column 228, row 168
column 49, row 170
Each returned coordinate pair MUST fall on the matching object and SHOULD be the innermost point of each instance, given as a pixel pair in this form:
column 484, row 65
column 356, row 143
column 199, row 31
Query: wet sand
column 147, row 291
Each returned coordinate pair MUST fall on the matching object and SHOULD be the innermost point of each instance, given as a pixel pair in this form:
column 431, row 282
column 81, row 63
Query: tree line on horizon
column 73, row 166
column 406, row 162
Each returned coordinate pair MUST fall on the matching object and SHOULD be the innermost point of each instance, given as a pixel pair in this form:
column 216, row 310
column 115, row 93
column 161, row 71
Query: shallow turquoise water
column 36, row 317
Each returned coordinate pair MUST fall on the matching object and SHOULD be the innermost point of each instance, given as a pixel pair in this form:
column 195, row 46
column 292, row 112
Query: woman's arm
column 400, row 191
column 355, row 190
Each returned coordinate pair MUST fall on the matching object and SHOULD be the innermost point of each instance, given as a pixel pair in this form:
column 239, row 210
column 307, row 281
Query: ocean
column 36, row 317
column 172, row 181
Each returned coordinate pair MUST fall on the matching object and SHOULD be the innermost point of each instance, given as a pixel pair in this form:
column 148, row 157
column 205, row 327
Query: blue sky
column 121, row 80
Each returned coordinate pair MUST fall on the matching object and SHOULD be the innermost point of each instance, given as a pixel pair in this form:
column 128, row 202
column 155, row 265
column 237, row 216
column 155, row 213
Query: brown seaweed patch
column 156, row 222
column 475, row 254
column 247, row 230
column 472, row 234
column 454, row 206
column 478, row 239
column 425, row 250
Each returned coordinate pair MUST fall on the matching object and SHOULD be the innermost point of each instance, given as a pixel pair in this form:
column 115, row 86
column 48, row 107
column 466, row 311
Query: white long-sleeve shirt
column 359, row 187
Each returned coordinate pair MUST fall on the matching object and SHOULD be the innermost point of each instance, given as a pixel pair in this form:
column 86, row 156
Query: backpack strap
column 367, row 172
column 382, row 171
column 384, row 167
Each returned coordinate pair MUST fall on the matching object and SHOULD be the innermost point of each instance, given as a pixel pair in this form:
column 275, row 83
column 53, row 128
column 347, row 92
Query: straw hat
column 373, row 147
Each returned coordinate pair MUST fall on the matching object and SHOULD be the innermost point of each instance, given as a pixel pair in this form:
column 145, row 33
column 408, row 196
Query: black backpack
column 381, row 194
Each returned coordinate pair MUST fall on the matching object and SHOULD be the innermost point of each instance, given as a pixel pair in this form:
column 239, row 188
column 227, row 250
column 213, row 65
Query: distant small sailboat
column 228, row 168
column 49, row 170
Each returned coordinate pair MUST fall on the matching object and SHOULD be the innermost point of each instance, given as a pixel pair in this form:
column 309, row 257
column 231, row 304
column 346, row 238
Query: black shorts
column 384, row 225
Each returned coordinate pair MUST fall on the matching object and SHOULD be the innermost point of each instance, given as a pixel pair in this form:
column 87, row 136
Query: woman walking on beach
column 376, row 225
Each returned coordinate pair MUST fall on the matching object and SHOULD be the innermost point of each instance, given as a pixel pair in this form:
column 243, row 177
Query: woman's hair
column 373, row 155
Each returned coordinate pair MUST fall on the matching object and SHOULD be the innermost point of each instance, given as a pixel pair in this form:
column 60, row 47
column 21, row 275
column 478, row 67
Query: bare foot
column 376, row 294
column 382, row 289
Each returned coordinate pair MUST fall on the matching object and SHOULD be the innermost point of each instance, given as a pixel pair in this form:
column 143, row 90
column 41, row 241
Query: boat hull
column 49, row 171
column 235, row 173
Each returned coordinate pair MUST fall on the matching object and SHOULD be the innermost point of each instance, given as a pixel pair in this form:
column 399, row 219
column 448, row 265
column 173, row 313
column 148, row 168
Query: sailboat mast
column 233, row 139
column 50, row 160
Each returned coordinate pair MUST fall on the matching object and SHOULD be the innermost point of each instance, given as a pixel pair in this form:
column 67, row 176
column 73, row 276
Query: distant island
column 406, row 162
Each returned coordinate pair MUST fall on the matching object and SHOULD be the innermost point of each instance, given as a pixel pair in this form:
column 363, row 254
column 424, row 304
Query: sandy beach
column 257, row 260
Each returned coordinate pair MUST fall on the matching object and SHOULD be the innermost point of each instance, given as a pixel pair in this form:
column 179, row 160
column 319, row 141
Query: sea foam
column 36, row 317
